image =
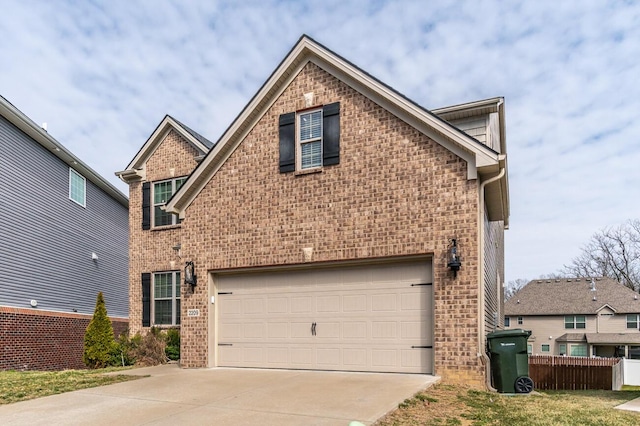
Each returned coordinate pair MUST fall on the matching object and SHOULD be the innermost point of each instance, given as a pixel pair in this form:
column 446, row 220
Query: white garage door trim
column 375, row 317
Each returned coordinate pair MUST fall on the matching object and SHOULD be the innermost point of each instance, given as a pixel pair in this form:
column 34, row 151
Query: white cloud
column 103, row 75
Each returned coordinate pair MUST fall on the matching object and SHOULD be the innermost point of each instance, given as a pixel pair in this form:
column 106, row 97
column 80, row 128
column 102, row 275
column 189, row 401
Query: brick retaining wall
column 38, row 340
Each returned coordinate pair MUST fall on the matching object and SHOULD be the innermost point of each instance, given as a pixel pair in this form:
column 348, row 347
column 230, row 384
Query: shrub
column 173, row 344
column 99, row 343
column 149, row 349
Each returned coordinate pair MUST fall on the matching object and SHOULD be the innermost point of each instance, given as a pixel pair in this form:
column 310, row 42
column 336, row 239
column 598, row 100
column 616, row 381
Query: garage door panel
column 354, row 303
column 302, row 304
column 367, row 319
column 354, row 330
column 277, row 305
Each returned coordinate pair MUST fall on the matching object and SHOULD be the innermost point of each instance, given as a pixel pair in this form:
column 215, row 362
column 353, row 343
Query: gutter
column 481, row 352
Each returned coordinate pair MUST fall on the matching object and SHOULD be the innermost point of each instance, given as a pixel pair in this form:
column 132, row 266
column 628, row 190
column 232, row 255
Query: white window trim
column 575, row 322
column 299, row 142
column 174, row 297
column 637, row 321
column 73, row 173
column 174, row 218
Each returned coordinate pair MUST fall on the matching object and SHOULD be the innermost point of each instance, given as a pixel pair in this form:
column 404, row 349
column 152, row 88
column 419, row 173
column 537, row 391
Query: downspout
column 481, row 352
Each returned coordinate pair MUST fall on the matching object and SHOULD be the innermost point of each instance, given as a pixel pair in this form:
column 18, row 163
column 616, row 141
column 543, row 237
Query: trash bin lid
column 516, row 332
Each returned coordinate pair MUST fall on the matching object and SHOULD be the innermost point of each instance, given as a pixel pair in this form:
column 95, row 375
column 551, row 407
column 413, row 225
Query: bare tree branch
column 613, row 253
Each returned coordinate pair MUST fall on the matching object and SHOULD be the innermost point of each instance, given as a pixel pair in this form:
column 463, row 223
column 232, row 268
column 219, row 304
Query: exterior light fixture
column 189, row 275
column 454, row 259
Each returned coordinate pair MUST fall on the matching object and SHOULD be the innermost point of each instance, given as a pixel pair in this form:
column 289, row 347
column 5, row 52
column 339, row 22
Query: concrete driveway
column 220, row 396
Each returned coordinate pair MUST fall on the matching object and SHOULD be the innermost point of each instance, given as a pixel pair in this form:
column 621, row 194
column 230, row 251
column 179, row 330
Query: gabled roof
column 480, row 158
column 38, row 134
column 572, row 296
column 168, row 123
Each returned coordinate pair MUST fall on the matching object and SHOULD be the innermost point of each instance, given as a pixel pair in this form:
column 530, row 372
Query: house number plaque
column 193, row 312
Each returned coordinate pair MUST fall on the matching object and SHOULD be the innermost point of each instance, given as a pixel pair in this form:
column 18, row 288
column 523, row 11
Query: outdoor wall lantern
column 454, row 259
column 189, row 275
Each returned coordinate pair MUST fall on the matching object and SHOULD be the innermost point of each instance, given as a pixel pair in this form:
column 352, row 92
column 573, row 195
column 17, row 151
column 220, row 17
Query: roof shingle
column 572, row 296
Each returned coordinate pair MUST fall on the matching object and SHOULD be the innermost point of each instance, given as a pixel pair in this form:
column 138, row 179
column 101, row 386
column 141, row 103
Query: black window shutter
column 287, row 125
column 331, row 134
column 146, row 300
column 146, row 205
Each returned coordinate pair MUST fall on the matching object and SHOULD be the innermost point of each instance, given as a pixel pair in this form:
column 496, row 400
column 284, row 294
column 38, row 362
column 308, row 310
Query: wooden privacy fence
column 575, row 373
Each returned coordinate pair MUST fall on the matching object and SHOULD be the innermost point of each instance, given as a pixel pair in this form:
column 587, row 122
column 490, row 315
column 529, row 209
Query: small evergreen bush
column 173, row 344
column 99, row 342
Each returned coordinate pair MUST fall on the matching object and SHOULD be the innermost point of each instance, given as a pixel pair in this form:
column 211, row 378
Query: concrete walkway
column 633, row 405
column 224, row 396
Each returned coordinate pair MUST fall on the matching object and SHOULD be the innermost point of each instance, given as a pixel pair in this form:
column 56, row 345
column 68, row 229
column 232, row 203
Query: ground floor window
column 562, row 349
column 545, row 348
column 634, row 352
column 166, row 298
column 507, row 322
column 529, row 349
column 579, row 350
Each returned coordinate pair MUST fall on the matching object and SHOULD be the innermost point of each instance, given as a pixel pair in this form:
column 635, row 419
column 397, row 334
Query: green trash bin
column 510, row 360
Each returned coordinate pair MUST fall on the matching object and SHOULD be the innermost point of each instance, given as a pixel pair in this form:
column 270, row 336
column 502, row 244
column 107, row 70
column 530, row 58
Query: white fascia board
column 240, row 127
column 154, row 141
column 475, row 154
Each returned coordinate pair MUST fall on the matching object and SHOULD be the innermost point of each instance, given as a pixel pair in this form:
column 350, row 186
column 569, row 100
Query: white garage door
column 357, row 318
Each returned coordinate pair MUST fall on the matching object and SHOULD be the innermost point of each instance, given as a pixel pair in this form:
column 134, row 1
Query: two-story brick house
column 320, row 226
column 577, row 317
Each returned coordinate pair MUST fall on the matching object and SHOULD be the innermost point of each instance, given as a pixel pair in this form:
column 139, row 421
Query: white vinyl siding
column 77, row 187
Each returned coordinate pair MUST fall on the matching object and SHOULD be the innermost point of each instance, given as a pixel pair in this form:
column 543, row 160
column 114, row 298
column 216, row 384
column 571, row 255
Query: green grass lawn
column 456, row 405
column 22, row 385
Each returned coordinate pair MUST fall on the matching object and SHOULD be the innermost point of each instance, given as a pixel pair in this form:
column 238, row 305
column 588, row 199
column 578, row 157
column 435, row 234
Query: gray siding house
column 64, row 239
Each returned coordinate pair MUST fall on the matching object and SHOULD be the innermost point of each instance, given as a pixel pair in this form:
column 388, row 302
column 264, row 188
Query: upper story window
column 633, row 320
column 310, row 139
column 162, row 192
column 575, row 321
column 507, row 321
column 309, row 146
column 77, row 188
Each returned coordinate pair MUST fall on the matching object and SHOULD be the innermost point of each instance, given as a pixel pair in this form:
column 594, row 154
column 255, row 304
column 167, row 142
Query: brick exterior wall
column 395, row 193
column 152, row 250
column 37, row 340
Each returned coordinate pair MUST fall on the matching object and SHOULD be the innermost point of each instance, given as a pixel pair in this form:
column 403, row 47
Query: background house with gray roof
column 577, row 317
column 64, row 239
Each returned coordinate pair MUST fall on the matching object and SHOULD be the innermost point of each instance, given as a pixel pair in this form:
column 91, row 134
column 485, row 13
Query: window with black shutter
column 310, row 139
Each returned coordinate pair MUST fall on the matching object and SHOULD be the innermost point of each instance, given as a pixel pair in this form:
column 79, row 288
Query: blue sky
column 103, row 74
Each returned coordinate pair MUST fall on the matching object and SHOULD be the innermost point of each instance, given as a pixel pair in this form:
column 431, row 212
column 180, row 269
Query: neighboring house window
column 310, row 139
column 166, row 298
column 77, row 187
column 563, row 349
column 162, row 192
column 545, row 348
column 520, row 321
column 529, row 349
column 575, row 321
column 578, row 350
column 309, row 146
column 507, row 322
column 633, row 320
